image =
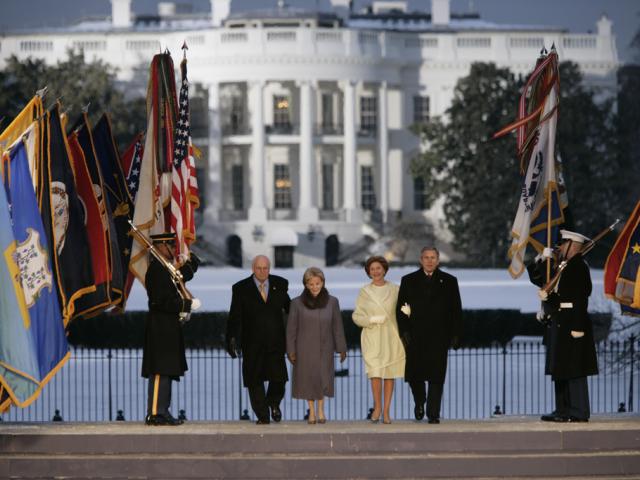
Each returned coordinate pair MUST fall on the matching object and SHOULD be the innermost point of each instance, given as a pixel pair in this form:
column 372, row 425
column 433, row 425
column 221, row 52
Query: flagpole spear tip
column 85, row 109
column 184, row 49
column 42, row 92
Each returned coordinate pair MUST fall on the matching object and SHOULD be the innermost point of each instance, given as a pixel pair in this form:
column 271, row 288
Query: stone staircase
column 505, row 448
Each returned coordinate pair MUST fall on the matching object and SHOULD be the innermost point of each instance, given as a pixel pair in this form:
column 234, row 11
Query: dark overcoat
column 569, row 357
column 163, row 351
column 435, row 320
column 260, row 328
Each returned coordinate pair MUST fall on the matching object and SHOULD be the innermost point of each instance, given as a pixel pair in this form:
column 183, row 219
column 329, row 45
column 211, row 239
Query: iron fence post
column 504, row 378
column 109, row 356
column 632, row 351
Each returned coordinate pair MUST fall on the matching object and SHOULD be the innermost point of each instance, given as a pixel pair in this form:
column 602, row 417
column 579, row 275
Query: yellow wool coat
column 382, row 349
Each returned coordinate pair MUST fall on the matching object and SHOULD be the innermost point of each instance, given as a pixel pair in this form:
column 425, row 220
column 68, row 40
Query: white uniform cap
column 574, row 236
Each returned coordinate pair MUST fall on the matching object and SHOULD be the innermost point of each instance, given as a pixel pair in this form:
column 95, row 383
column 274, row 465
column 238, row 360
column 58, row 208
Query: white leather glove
column 543, row 295
column 406, row 309
column 547, row 252
column 576, row 334
column 195, row 304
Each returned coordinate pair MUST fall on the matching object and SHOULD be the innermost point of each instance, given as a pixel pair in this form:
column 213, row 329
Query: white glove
column 576, row 334
column 543, row 295
column 406, row 309
column 540, row 315
column 547, row 252
column 377, row 319
column 195, row 304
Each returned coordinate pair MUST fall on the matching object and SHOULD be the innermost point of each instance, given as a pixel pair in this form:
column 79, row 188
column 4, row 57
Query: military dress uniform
column 570, row 347
column 164, row 356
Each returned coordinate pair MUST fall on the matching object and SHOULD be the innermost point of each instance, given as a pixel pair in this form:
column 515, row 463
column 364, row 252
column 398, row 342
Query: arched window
column 234, row 251
column 331, row 250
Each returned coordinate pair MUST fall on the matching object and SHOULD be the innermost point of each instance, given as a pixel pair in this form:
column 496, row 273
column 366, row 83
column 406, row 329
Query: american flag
column 184, row 190
column 133, row 176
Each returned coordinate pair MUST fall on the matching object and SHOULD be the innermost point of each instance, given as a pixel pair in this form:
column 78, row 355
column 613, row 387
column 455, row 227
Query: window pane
column 327, row 110
column 282, row 186
column 420, row 109
column 327, row 187
column 419, row 194
column 237, row 114
column 368, row 194
column 237, row 187
column 283, row 257
column 281, row 110
column 368, row 113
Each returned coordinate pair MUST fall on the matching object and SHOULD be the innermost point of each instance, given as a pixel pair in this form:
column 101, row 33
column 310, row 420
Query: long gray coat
column 313, row 336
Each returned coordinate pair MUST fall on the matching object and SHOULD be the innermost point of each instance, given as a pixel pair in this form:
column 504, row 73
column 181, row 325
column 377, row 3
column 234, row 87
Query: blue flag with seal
column 33, row 342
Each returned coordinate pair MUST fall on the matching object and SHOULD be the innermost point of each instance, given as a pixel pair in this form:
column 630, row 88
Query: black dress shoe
column 577, row 420
column 276, row 414
column 434, row 420
column 156, row 420
column 262, row 421
column 418, row 411
column 552, row 417
column 171, row 420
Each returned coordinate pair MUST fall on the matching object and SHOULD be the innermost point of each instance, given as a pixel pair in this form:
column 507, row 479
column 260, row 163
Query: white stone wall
column 257, row 63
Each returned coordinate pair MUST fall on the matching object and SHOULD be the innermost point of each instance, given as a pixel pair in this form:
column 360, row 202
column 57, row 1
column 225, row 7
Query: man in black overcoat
column 163, row 357
column 571, row 353
column 429, row 313
column 256, row 324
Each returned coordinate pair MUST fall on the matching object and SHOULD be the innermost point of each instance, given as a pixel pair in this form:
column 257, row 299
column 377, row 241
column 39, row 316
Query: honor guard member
column 164, row 357
column 571, row 353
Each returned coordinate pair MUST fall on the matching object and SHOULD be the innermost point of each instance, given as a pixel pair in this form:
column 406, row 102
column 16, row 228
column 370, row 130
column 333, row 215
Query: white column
column 383, row 150
column 308, row 177
column 214, row 186
column 257, row 210
column 349, row 151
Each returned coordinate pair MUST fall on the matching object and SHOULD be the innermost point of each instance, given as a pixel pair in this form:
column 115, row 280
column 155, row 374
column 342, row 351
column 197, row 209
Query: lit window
column 282, row 187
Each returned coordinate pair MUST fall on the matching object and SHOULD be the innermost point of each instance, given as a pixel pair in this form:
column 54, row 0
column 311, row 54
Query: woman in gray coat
column 314, row 333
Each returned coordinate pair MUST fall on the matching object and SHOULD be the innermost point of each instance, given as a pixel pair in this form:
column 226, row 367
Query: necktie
column 263, row 292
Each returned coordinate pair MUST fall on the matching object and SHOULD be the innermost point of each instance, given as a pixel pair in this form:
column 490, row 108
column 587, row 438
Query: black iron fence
column 105, row 385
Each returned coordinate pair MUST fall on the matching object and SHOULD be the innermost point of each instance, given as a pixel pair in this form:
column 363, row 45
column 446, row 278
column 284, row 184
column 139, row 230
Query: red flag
column 96, row 231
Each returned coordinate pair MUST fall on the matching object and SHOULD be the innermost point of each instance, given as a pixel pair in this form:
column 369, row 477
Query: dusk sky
column 576, row 15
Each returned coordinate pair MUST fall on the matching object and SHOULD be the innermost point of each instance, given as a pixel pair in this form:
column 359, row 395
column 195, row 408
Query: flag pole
column 549, row 227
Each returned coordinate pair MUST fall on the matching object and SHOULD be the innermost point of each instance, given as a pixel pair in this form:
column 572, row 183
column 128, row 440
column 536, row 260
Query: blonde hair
column 311, row 272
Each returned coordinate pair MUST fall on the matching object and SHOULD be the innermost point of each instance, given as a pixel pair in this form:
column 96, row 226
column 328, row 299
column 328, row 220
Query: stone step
column 251, row 466
column 604, row 448
column 338, row 438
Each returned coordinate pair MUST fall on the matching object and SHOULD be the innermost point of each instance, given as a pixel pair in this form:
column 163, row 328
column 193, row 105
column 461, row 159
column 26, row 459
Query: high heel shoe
column 322, row 420
column 311, row 421
column 375, row 419
column 387, row 421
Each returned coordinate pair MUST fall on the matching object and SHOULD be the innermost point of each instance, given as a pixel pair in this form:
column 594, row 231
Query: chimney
column 219, row 11
column 440, row 12
column 346, row 4
column 166, row 9
column 604, row 26
column 121, row 13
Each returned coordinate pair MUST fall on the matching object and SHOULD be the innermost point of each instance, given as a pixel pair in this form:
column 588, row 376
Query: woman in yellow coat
column 382, row 349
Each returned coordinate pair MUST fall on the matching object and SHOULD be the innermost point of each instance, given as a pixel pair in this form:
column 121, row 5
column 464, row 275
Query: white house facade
column 306, row 137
